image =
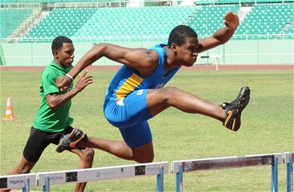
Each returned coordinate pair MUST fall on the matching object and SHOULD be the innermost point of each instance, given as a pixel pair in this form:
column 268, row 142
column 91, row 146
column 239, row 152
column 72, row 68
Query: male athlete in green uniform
column 52, row 121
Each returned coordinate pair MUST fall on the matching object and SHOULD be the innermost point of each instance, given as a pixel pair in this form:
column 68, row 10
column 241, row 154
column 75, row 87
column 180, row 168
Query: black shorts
column 39, row 140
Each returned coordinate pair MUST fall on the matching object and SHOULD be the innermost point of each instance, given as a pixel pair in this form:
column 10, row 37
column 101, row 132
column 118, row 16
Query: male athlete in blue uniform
column 137, row 93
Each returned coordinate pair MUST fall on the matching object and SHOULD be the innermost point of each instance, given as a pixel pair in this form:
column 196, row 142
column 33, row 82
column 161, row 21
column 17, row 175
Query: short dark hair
column 57, row 43
column 178, row 34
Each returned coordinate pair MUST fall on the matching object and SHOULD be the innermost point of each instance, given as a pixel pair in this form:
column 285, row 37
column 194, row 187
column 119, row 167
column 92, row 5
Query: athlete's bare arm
column 221, row 36
column 55, row 100
column 140, row 59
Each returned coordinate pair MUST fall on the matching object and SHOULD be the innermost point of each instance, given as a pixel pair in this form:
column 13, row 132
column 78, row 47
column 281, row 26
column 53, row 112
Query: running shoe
column 234, row 109
column 71, row 140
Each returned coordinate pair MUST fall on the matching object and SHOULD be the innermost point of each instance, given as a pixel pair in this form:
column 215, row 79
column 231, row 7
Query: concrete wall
column 234, row 52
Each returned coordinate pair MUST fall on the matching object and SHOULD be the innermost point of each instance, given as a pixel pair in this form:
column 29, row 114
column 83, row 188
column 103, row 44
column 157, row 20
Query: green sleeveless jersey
column 47, row 119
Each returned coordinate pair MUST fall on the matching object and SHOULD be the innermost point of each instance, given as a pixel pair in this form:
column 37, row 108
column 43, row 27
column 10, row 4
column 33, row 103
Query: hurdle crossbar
column 24, row 181
column 288, row 159
column 105, row 173
column 179, row 167
column 217, row 59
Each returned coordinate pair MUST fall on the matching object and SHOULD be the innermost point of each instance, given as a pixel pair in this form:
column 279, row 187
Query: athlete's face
column 65, row 55
column 187, row 52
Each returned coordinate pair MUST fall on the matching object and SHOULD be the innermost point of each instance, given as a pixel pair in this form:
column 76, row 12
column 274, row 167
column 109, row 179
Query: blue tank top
column 127, row 80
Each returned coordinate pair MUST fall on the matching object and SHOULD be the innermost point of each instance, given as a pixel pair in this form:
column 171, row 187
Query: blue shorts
column 130, row 115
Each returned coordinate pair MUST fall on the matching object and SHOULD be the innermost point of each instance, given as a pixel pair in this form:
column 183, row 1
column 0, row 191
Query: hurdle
column 217, row 59
column 24, row 181
column 46, row 179
column 288, row 160
column 179, row 167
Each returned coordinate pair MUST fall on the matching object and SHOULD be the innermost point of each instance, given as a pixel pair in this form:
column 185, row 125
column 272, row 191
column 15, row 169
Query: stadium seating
column 11, row 19
column 263, row 21
column 207, row 2
column 61, row 22
column 134, row 22
column 267, row 20
column 210, row 18
column 51, row 1
column 117, row 23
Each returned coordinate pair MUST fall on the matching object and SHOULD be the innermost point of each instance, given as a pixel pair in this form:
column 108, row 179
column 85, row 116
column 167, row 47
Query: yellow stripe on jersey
column 128, row 86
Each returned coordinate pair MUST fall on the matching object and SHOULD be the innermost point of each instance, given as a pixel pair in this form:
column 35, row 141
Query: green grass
column 267, row 127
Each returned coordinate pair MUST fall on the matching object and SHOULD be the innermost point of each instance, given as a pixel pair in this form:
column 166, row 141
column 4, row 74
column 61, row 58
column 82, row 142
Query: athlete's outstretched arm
column 139, row 59
column 135, row 58
column 221, row 36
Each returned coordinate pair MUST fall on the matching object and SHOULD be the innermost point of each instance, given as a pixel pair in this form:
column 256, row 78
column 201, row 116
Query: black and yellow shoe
column 234, row 109
column 71, row 140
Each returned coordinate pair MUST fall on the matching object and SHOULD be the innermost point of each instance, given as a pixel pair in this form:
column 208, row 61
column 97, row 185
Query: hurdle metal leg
column 159, row 180
column 46, row 187
column 179, row 179
column 290, row 173
column 275, row 175
column 26, row 188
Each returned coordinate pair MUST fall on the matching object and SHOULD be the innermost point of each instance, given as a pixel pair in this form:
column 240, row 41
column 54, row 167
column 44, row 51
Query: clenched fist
column 231, row 20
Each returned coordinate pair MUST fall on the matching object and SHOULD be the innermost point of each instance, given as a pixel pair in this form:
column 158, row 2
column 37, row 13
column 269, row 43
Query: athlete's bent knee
column 143, row 153
column 171, row 93
column 144, row 159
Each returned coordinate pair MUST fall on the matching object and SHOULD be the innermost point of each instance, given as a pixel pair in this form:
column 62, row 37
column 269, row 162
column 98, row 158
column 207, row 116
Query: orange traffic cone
column 9, row 112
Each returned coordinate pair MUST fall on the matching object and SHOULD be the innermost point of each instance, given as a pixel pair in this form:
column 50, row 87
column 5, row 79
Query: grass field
column 267, row 127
